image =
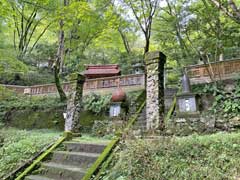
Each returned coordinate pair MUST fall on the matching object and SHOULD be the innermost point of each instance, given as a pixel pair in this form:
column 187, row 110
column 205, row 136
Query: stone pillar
column 74, row 106
column 155, row 90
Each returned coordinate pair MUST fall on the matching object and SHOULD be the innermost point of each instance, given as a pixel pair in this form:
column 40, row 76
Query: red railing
column 117, row 81
column 90, row 84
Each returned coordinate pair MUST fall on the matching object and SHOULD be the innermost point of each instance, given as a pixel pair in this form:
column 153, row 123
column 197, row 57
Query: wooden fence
column 220, row 70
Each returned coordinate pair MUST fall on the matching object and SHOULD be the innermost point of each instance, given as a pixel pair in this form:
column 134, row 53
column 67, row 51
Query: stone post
column 155, row 90
column 74, row 106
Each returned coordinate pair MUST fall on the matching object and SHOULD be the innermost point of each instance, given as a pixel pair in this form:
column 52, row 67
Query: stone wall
column 200, row 124
column 47, row 119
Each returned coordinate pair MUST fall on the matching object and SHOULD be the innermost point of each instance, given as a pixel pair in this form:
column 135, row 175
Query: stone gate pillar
column 74, row 106
column 155, row 89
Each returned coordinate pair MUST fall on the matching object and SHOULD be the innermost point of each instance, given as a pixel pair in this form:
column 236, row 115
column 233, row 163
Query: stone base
column 197, row 123
column 188, row 114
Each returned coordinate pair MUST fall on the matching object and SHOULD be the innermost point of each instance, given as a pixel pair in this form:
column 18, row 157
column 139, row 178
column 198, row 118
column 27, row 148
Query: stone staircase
column 141, row 124
column 70, row 164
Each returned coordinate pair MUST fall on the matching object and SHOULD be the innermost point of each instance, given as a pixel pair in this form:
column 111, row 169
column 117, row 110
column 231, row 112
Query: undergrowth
column 226, row 102
column 195, row 157
column 17, row 146
column 9, row 100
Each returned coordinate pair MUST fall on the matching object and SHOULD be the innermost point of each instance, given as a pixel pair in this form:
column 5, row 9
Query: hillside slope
column 194, row 157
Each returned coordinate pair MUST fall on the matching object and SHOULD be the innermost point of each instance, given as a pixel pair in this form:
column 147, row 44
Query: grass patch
column 194, row 157
column 18, row 146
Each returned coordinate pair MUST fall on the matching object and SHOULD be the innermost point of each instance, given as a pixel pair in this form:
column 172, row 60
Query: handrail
column 171, row 110
column 41, row 157
column 107, row 151
column 173, row 106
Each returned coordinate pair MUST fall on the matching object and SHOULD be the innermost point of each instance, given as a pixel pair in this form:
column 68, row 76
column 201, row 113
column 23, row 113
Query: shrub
column 9, row 62
column 194, row 157
column 226, row 104
column 96, row 103
column 11, row 101
column 26, row 79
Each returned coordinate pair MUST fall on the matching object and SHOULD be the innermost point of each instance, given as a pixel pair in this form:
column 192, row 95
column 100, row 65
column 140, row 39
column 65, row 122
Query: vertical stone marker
column 155, row 90
column 74, row 106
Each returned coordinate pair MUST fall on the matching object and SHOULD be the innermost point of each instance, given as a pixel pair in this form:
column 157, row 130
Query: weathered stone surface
column 84, row 147
column 74, row 106
column 71, row 164
column 235, row 122
column 62, row 172
column 155, row 89
column 203, row 124
column 180, row 120
column 206, row 102
column 229, row 86
column 150, row 56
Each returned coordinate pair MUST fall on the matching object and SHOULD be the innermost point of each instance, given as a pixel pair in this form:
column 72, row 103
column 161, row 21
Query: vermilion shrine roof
column 97, row 71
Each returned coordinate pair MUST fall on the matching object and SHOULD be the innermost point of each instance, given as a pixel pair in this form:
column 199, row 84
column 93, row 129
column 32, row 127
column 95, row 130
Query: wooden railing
column 91, row 85
column 117, row 81
column 48, row 88
column 220, row 70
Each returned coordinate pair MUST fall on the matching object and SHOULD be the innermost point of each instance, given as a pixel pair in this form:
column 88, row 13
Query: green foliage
column 186, row 30
column 27, row 79
column 9, row 62
column 192, row 157
column 96, row 103
column 5, row 93
column 226, row 103
column 20, row 145
column 173, row 78
column 12, row 101
column 100, row 128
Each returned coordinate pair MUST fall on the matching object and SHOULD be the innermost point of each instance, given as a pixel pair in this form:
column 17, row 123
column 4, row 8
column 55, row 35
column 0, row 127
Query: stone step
column 37, row 177
column 141, row 122
column 62, row 172
column 80, row 159
column 142, row 129
column 84, row 147
column 143, row 126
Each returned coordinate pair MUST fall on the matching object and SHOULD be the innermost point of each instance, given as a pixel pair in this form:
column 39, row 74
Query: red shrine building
column 101, row 71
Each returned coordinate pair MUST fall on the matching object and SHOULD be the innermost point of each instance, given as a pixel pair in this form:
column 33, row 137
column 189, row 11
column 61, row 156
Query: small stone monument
column 186, row 101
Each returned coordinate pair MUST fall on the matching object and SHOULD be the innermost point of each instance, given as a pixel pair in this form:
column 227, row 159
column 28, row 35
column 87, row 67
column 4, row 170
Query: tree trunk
column 60, row 56
column 147, row 44
column 63, row 97
column 125, row 41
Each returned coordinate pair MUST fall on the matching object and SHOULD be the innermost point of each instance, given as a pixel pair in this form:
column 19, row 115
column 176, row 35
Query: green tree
column 144, row 11
column 230, row 8
column 29, row 20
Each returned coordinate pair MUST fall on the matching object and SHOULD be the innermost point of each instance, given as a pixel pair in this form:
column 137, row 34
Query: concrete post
column 155, row 90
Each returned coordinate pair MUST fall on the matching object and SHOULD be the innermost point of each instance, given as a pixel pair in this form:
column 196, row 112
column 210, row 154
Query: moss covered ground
column 194, row 157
